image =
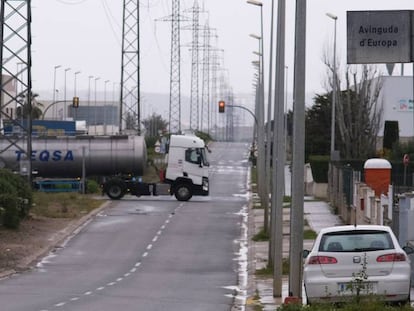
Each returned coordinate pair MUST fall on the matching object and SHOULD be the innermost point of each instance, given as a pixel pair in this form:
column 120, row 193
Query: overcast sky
column 85, row 35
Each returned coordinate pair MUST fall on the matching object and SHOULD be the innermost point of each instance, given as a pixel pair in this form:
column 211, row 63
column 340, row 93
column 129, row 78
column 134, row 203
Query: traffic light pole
column 244, row 108
column 57, row 102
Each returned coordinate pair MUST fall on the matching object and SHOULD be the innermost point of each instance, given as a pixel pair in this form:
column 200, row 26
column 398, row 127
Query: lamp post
column 269, row 136
column 54, row 86
column 256, row 88
column 264, row 195
column 105, row 112
column 279, row 153
column 74, row 83
column 64, row 93
column 334, row 88
column 96, row 103
column 89, row 101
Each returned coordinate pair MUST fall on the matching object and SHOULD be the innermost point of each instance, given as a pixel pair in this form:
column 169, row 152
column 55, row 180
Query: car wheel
column 183, row 192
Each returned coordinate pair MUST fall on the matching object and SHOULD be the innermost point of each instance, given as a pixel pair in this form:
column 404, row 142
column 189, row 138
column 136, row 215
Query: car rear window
column 356, row 241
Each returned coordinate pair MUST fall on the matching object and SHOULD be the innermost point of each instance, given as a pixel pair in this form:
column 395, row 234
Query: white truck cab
column 187, row 167
column 186, row 174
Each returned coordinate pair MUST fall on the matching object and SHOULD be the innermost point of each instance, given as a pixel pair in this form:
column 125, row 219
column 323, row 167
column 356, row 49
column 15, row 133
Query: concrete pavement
column 318, row 215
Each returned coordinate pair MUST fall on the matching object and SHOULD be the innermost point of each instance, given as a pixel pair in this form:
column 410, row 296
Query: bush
column 15, row 198
column 92, row 186
column 22, row 190
column 11, row 217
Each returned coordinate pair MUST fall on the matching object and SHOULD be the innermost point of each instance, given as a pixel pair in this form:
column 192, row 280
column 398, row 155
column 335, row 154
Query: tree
column 318, row 124
column 23, row 110
column 359, row 113
column 358, row 110
column 154, row 124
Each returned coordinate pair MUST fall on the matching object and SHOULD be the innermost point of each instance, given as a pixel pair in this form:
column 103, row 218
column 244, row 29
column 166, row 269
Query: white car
column 347, row 261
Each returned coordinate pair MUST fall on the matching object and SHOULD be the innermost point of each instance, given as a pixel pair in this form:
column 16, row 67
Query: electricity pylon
column 15, row 78
column 130, row 110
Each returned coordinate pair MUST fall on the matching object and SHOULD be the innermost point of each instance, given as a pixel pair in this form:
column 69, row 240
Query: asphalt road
column 150, row 253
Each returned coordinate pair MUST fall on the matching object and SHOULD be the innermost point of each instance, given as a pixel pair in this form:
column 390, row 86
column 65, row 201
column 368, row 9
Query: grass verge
column 63, row 205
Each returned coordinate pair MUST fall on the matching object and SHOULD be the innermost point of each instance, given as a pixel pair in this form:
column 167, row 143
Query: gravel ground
column 20, row 248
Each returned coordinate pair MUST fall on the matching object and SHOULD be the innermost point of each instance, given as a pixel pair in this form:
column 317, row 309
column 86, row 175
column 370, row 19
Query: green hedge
column 319, row 165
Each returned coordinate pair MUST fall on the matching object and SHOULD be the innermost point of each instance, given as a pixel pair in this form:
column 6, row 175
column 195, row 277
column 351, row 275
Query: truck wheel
column 115, row 190
column 183, row 192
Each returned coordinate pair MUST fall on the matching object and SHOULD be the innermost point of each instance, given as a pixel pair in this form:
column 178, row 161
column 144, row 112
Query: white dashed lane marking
column 132, row 270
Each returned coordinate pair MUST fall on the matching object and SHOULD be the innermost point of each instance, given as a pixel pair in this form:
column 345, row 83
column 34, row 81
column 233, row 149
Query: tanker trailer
column 65, row 157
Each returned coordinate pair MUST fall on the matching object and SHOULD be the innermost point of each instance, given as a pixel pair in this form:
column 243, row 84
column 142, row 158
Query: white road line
column 134, row 269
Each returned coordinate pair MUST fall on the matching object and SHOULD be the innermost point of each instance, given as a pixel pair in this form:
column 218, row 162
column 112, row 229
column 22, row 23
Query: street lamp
column 334, row 88
column 264, row 195
column 257, row 53
column 54, row 85
column 74, row 83
column 105, row 106
column 96, row 103
column 258, row 3
column 89, row 101
column 64, row 94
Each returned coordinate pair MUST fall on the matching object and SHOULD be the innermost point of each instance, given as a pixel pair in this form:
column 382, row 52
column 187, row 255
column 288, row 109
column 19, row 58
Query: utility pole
column 296, row 214
column 195, row 49
column 214, row 98
column 130, row 94
column 206, row 108
column 175, row 68
column 175, row 75
column 15, row 48
column 278, row 169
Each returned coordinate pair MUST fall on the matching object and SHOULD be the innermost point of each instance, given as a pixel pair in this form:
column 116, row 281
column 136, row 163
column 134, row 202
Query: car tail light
column 391, row 257
column 322, row 260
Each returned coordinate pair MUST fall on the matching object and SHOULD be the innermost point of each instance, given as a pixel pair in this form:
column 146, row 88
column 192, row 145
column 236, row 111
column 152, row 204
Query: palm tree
column 23, row 110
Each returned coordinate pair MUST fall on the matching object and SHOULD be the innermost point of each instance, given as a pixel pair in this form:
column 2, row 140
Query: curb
column 58, row 238
column 251, row 301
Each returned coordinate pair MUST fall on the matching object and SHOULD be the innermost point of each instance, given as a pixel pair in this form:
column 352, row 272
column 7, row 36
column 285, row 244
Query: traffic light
column 222, row 106
column 75, row 102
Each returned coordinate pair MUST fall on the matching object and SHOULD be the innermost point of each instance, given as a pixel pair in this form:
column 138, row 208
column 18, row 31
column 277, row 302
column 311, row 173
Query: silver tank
column 63, row 156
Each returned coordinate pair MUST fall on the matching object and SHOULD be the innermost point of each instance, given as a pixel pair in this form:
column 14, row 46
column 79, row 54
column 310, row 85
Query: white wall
column 396, row 96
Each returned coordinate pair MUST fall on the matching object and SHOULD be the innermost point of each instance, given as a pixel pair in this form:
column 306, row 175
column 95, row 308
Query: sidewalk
column 318, row 215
